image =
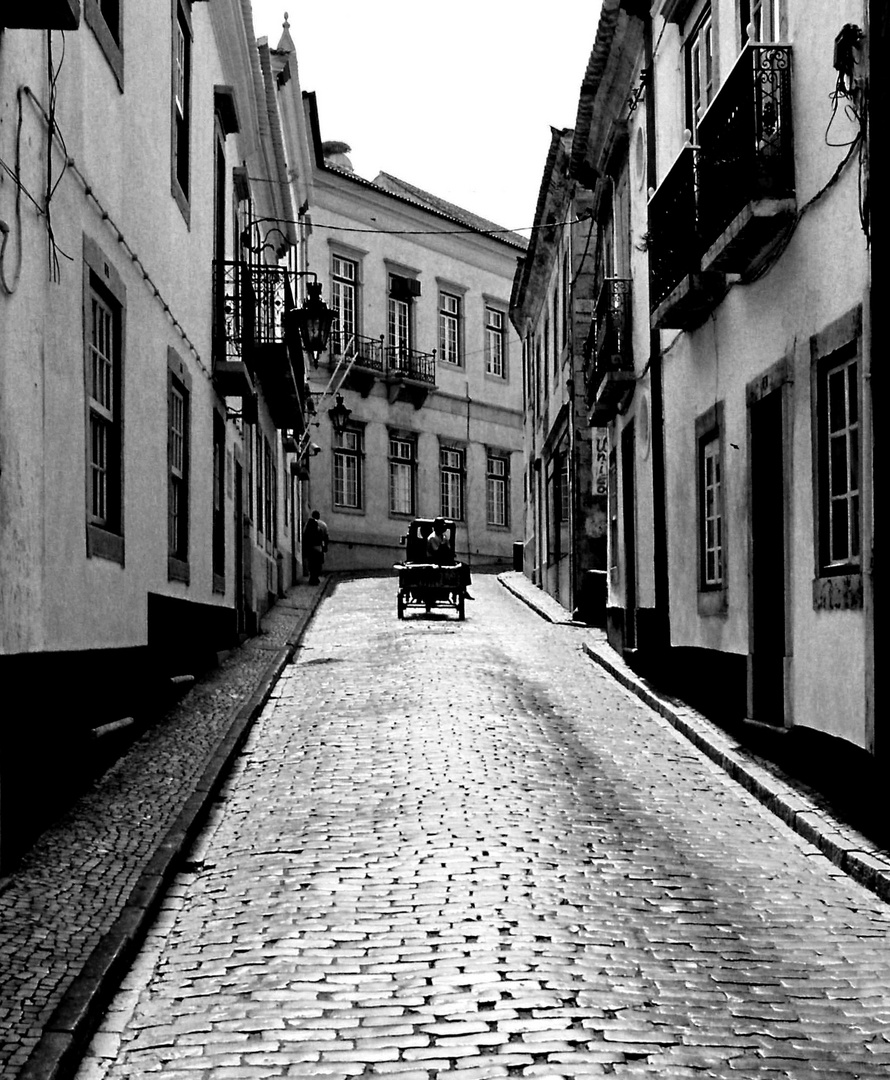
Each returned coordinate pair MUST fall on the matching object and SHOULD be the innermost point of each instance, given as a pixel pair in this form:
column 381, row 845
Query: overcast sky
column 456, row 98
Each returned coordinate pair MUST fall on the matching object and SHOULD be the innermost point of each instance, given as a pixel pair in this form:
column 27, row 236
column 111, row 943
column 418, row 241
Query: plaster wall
column 468, row 406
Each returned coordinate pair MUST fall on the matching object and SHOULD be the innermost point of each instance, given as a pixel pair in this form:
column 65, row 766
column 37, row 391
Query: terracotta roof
column 396, row 186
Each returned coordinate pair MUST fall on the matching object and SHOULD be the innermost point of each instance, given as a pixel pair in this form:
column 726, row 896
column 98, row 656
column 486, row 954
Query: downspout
column 659, row 487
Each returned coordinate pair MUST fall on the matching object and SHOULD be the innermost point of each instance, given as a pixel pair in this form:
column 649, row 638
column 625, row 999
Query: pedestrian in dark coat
column 315, row 544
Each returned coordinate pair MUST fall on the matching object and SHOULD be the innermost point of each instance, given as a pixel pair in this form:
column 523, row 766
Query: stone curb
column 848, row 849
column 77, row 1016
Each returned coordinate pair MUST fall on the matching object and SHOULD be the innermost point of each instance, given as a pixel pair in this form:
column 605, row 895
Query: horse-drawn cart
column 428, row 584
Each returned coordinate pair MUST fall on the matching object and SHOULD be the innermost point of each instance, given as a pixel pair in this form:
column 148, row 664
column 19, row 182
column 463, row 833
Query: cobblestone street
column 463, row 847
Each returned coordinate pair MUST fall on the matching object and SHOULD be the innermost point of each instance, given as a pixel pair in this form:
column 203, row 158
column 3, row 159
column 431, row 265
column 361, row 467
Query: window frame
column 178, row 477
column 499, row 334
column 111, row 43
column 180, row 119
column 343, row 459
column 455, row 470
column 710, row 520
column 837, row 584
column 399, row 464
column 698, row 99
column 339, row 283
column 103, row 284
column 451, row 318
column 495, row 481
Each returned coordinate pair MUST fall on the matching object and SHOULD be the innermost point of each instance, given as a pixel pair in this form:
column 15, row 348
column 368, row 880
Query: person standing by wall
column 315, row 544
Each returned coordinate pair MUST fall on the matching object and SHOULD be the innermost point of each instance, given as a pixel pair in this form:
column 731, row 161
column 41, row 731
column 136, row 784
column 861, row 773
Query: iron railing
column 250, row 303
column 745, row 139
column 611, row 320
column 412, row 364
column 365, row 352
column 674, row 245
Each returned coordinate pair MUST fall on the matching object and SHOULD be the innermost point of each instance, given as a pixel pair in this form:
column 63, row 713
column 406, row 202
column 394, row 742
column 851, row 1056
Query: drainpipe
column 656, row 412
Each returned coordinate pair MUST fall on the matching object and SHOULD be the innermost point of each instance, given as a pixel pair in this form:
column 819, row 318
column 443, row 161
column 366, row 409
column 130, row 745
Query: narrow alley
column 462, row 847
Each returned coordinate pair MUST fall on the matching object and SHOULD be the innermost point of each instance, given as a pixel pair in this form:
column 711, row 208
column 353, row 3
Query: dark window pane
column 837, row 412
column 854, row 393
column 839, row 466
column 839, row 550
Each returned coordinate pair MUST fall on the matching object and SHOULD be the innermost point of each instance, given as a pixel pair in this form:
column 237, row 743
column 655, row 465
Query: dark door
column 239, row 550
column 628, row 515
column 767, row 561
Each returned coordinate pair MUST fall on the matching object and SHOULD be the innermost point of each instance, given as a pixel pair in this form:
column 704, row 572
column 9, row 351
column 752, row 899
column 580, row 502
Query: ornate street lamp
column 339, row 415
column 313, row 320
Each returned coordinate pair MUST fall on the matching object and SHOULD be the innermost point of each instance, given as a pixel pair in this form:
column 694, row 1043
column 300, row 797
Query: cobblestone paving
column 461, row 848
column 72, row 885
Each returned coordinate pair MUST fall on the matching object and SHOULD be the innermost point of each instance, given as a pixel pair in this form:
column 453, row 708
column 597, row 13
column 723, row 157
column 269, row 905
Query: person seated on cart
column 439, row 550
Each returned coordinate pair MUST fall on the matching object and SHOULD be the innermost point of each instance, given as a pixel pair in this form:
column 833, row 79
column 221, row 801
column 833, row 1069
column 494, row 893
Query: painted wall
column 468, row 405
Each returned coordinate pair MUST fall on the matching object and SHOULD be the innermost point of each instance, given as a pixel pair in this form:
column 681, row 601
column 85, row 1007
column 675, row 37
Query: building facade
column 728, row 371
column 424, row 358
column 148, row 369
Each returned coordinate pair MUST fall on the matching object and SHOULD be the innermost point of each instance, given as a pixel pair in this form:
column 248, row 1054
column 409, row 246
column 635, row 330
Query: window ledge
column 177, row 570
column 839, row 592
column 102, row 544
column 712, row 602
column 219, row 583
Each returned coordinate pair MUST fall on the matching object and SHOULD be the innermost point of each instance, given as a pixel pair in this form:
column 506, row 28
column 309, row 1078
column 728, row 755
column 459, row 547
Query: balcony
column 410, row 375
column 681, row 294
column 610, row 369
column 364, row 355
column 746, row 162
column 253, row 342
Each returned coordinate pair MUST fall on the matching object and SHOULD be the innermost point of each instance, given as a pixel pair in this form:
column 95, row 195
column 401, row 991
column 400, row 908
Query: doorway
column 628, row 521
column 768, row 618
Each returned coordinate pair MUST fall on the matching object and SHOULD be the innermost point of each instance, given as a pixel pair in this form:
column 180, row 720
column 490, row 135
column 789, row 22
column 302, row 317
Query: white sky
column 455, row 98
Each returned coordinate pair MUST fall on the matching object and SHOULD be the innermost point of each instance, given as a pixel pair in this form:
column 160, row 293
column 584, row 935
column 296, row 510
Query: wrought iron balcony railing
column 746, row 151
column 363, row 351
column 400, row 360
column 674, row 245
column 250, row 303
column 611, row 322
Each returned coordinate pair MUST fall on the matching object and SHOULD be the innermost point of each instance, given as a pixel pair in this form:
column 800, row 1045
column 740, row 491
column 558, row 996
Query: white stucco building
column 147, row 513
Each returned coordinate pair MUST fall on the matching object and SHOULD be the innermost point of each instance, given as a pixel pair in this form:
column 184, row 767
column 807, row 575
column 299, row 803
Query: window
column 564, row 488
column 344, row 280
column 219, row 503
column 554, row 322
column 104, row 18
column 839, row 462
column 104, row 299
column 400, row 329
column 760, row 20
column 494, row 343
column 182, row 63
column 268, row 493
column 178, row 398
column 348, row 469
column 711, row 513
column 711, row 517
column 700, row 71
column 402, row 473
column 497, row 474
column 451, row 482
column 449, row 328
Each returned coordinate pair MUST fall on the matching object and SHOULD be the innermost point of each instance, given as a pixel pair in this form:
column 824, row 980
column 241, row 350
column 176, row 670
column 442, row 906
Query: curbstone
column 846, row 848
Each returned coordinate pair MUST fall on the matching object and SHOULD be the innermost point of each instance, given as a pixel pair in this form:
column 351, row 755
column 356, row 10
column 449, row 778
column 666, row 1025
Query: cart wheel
column 400, row 606
column 461, row 600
